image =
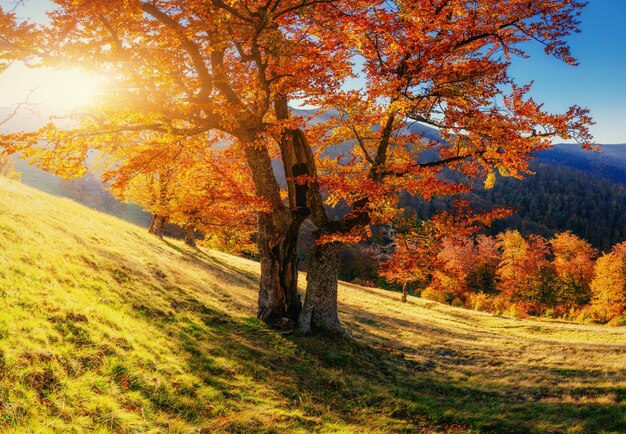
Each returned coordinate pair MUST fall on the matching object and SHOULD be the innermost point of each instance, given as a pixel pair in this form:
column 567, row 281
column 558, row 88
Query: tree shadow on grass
column 361, row 385
column 261, row 381
column 356, row 384
column 212, row 263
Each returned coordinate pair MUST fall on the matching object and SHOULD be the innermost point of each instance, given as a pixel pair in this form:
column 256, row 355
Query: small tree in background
column 573, row 263
column 482, row 279
column 441, row 252
column 521, row 263
column 608, row 288
column 187, row 183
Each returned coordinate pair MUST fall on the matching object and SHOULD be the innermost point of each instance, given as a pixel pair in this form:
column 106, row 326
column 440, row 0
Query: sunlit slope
column 105, row 328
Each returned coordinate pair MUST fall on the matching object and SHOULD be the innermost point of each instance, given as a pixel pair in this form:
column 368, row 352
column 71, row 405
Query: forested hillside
column 559, row 198
column 571, row 189
column 609, row 164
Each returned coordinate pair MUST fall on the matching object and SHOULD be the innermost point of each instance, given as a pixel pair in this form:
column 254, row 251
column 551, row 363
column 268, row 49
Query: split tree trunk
column 279, row 231
column 277, row 238
column 157, row 225
column 190, row 236
column 278, row 290
column 320, row 303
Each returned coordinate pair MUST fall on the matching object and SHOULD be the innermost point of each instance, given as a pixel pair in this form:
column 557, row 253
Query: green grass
column 104, row 328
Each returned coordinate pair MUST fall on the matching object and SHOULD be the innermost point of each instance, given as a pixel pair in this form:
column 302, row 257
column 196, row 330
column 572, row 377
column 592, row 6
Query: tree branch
column 206, row 80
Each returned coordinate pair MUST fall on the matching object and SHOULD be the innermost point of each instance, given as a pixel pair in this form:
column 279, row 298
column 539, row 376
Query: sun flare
column 67, row 90
column 49, row 91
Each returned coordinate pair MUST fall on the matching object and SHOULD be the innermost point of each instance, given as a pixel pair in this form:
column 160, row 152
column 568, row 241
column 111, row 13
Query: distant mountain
column 610, row 163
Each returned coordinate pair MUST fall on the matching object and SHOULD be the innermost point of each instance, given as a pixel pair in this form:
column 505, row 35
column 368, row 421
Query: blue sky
column 599, row 83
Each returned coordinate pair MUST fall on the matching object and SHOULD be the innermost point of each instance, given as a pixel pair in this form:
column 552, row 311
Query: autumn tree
column 411, row 255
column 194, row 67
column 482, row 278
column 443, row 252
column 456, row 261
column 214, row 200
column 573, row 262
column 521, row 263
column 469, row 264
column 187, row 182
column 608, row 288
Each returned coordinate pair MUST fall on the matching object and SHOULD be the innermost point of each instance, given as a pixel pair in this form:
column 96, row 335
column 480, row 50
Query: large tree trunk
column 405, row 292
column 279, row 230
column 190, row 236
column 289, row 270
column 157, row 225
column 278, row 291
column 320, row 303
column 277, row 239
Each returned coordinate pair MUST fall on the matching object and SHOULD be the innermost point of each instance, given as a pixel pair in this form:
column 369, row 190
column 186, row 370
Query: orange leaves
column 354, row 236
column 191, row 185
column 573, row 257
column 187, row 78
column 512, row 274
column 521, row 261
column 439, row 64
column 463, row 221
column 416, row 245
column 17, row 39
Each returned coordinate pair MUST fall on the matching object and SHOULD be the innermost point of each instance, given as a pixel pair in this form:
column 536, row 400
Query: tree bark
column 157, row 225
column 278, row 291
column 190, row 236
column 279, row 230
column 320, row 303
column 405, row 292
column 289, row 270
column 277, row 239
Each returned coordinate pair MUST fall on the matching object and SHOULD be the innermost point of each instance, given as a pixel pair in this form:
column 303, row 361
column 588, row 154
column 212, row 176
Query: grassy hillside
column 104, row 328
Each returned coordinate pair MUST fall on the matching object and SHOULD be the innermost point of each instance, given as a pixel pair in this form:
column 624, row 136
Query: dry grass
column 105, row 329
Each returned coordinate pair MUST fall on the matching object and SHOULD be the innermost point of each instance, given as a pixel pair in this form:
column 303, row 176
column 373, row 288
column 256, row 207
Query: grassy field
column 104, row 328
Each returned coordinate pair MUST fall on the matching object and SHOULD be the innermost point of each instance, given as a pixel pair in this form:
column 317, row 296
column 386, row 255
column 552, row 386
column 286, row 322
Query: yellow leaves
column 607, row 288
column 490, row 181
column 16, row 39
